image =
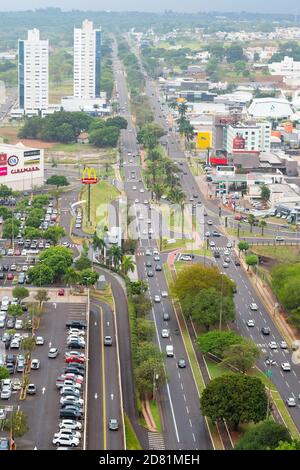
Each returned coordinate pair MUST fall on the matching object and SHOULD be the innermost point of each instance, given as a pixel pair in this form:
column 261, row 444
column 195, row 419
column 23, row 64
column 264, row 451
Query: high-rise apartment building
column 87, row 61
column 33, row 73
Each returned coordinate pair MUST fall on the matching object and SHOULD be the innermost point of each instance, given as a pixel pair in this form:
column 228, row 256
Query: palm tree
column 262, row 225
column 41, row 296
column 71, row 277
column 182, row 109
column 116, row 255
column 98, row 243
column 35, row 312
column 28, row 344
column 127, row 265
column 158, row 190
column 56, row 193
column 251, row 221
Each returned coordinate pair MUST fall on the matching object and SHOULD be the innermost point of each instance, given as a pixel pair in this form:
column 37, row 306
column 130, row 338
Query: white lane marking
column 187, row 410
column 184, row 397
column 96, row 396
column 43, row 390
column 190, row 423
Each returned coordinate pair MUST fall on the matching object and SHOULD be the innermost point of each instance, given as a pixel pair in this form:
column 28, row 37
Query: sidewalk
column 69, row 297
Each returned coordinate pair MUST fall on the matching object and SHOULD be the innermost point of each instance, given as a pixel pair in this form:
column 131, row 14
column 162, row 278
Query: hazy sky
column 267, row 6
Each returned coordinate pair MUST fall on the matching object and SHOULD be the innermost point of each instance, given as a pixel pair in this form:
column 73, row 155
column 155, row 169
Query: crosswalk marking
column 156, row 441
column 219, row 248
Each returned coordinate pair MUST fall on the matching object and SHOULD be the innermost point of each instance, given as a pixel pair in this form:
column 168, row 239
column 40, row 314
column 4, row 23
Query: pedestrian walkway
column 156, row 441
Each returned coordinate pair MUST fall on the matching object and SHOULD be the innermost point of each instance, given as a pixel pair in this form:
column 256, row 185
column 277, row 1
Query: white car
column 156, row 258
column 225, row 265
column 286, row 366
column 253, row 307
column 24, row 252
column 164, row 293
column 185, row 258
column 165, row 333
column 71, row 398
column 151, row 231
column 136, row 201
column 70, row 424
column 35, row 364
column 10, row 252
column 25, row 268
column 226, row 252
column 19, row 324
column 64, row 440
column 68, row 432
column 146, row 202
column 76, row 331
column 148, row 253
column 212, row 243
column 141, row 217
column 250, row 323
column 13, row 267
column 39, row 341
column 229, row 245
column 283, row 345
column 134, row 188
column 209, row 222
column 142, row 190
column 157, row 298
column 155, row 252
column 291, row 401
column 273, row 345
column 15, row 344
column 5, row 392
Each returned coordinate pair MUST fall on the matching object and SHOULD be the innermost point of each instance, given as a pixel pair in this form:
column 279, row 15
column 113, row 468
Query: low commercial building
column 277, row 108
column 21, row 168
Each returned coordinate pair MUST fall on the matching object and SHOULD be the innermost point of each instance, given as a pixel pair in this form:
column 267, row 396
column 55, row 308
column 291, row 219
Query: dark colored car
column 4, row 443
column 10, row 367
column 237, row 263
column 74, row 370
column 217, row 254
column 113, row 424
column 181, row 363
column 216, row 234
column 75, row 345
column 265, row 330
column 158, row 267
column 70, row 414
column 150, row 273
column 148, row 264
column 5, row 267
column 31, row 389
column 76, row 324
column 2, row 276
column 11, row 358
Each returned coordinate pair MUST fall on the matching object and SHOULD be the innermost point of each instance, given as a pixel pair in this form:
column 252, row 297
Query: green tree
column 105, row 137
column 216, row 342
column 18, row 423
column 20, row 292
column 127, row 265
column 4, row 374
column 88, row 277
column 145, row 330
column 138, row 287
column 58, row 258
column 116, row 255
column 11, row 228
column 142, row 305
column 262, row 224
column 264, row 436
column 28, row 345
column 54, row 233
column 41, row 296
column 204, row 307
column 71, row 277
column 251, row 221
column 41, row 275
column 236, row 398
column 241, row 356
column 82, row 263
column 243, row 246
column 285, row 445
column 15, row 310
column 251, row 260
column 265, row 193
column 5, row 191
column 32, row 233
column 196, row 277
column 57, row 180
column 234, row 53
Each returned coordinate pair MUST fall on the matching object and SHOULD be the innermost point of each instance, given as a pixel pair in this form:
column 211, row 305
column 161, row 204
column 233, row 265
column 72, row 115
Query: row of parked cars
column 70, row 384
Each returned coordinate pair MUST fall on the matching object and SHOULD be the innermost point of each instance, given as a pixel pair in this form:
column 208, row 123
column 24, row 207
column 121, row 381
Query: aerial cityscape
column 149, row 228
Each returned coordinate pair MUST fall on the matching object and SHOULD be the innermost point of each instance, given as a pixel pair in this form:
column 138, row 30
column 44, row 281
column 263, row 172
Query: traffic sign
column 269, row 373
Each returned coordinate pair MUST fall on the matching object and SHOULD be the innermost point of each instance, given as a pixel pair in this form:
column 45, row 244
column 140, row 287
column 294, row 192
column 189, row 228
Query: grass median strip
column 155, row 414
column 132, row 442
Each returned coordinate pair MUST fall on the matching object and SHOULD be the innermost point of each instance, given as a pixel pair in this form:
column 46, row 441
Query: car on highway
column 212, row 243
column 35, row 364
column 237, row 262
column 253, row 307
column 286, row 366
column 283, row 345
column 216, row 234
column 157, row 298
column 217, row 254
column 63, row 440
column 107, row 342
column 164, row 293
column 273, row 345
column 148, row 253
column 181, row 363
column 53, row 353
column 209, row 222
column 113, row 424
column 265, row 330
column 185, row 258
column 148, row 264
column 158, row 267
column 279, row 239
column 225, row 265
column 291, row 401
column 250, row 323
column 166, row 316
column 165, row 333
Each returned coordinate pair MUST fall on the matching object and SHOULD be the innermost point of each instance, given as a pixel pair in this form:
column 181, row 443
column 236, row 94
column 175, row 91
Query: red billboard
column 239, row 142
column 3, row 171
column 218, row 161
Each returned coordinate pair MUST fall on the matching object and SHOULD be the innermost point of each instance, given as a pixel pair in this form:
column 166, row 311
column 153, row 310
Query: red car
column 61, row 292
column 77, row 359
column 10, row 277
column 17, row 253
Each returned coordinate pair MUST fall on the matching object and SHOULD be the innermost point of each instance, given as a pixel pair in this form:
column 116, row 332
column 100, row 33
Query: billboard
column 89, row 176
column 203, row 140
column 239, row 142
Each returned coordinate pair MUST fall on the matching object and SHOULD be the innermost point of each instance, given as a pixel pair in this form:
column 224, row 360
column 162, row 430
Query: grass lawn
column 104, row 295
column 9, row 133
column 56, row 92
column 101, row 195
column 283, row 254
column 156, row 415
column 246, row 233
column 173, row 246
column 75, row 148
column 132, row 442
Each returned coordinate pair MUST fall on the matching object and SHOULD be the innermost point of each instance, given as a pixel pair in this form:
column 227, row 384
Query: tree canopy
column 236, row 398
column 264, row 436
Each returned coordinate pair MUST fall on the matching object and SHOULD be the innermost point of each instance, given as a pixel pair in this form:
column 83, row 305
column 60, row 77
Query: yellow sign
column 89, row 176
column 181, row 100
column 204, row 140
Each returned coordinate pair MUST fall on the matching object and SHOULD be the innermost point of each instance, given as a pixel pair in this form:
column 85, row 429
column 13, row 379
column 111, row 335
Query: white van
column 170, row 350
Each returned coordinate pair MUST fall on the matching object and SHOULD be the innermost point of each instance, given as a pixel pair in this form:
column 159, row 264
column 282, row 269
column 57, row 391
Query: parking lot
column 42, row 409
